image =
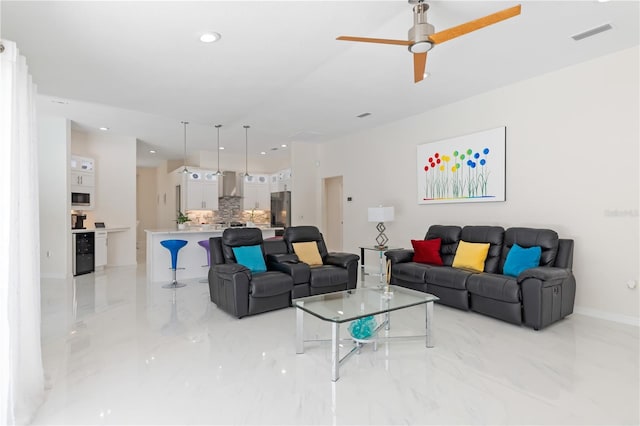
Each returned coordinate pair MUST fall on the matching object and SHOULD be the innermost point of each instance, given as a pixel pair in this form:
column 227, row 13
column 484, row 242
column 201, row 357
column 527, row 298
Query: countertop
column 194, row 229
column 107, row 229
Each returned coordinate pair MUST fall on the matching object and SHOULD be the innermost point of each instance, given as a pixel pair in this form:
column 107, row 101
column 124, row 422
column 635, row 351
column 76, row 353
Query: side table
column 382, row 267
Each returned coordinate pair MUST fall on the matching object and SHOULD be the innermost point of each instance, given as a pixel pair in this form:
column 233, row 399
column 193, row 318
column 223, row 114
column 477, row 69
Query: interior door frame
column 333, row 211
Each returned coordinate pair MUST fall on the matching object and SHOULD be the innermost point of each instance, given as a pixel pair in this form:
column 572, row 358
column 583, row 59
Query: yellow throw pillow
column 471, row 256
column 308, row 253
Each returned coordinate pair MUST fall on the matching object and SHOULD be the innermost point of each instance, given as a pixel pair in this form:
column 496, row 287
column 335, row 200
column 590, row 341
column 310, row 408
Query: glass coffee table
column 350, row 305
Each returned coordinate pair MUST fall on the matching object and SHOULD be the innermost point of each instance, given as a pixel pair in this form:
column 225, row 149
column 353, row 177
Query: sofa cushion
column 450, row 235
column 495, row 286
column 308, row 253
column 471, row 256
column 446, row 276
column 411, row 272
column 328, row 275
column 494, row 235
column 270, row 283
column 427, row 251
column 251, row 257
column 520, row 258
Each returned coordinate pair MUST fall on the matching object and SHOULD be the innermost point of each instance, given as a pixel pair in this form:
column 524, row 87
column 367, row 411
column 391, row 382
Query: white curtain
column 21, row 372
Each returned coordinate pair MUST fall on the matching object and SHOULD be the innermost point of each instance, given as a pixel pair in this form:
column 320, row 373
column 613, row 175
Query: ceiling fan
column 422, row 36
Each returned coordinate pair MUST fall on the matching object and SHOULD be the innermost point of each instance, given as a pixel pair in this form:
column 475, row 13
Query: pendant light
column 184, row 158
column 218, row 172
column 246, row 150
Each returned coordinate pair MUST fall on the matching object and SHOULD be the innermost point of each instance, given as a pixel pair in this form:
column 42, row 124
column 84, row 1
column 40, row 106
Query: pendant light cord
column 184, row 158
column 218, row 172
column 246, row 150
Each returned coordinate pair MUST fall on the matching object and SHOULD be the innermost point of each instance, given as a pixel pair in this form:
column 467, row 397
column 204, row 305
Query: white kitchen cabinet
column 100, row 250
column 201, row 190
column 83, row 182
column 82, row 164
column 285, row 180
column 256, row 192
column 83, row 179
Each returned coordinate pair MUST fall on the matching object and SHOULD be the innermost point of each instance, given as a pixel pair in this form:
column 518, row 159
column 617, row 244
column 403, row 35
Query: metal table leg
column 335, row 351
column 299, row 330
column 429, row 319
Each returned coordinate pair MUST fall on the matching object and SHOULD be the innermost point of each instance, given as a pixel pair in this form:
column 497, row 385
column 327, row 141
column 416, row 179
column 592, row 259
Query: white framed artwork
column 463, row 169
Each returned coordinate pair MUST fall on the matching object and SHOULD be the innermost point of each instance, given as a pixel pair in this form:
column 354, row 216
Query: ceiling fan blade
column 375, row 40
column 476, row 24
column 419, row 65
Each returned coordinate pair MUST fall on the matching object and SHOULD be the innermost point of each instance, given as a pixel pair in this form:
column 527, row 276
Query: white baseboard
column 624, row 319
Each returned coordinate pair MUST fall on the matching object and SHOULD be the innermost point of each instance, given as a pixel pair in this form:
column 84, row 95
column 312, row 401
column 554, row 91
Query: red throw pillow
column 427, row 251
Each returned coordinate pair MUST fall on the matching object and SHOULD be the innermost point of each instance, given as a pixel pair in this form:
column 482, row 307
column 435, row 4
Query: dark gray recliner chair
column 234, row 288
column 338, row 272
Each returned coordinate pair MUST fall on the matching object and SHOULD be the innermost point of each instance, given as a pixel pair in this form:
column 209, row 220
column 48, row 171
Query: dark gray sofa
column 537, row 297
column 338, row 272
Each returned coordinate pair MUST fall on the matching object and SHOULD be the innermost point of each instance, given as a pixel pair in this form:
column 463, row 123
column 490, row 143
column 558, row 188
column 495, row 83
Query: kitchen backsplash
column 230, row 210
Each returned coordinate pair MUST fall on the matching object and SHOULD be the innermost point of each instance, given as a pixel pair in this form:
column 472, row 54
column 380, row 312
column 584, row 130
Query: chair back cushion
column 546, row 239
column 302, row 234
column 450, row 235
column 239, row 237
column 494, row 235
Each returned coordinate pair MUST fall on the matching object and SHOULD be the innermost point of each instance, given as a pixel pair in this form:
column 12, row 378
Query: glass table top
column 361, row 302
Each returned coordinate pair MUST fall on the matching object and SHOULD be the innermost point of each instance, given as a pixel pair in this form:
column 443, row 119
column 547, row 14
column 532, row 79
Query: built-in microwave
column 81, row 199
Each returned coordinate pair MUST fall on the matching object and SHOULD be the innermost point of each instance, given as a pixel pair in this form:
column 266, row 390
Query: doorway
column 333, row 212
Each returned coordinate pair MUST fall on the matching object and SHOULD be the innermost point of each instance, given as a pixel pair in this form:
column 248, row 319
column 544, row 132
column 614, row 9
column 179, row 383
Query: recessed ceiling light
column 152, row 151
column 426, row 74
column 59, row 101
column 284, row 145
column 104, row 129
column 222, row 147
column 210, row 37
column 263, row 153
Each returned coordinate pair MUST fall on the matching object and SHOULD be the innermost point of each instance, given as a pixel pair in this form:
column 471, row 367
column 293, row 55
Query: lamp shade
column 381, row 214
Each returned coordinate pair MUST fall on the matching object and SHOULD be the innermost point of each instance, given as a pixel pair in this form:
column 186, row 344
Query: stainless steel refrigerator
column 281, row 209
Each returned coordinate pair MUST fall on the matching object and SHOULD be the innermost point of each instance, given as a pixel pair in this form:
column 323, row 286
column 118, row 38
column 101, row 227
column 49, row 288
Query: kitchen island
column 192, row 257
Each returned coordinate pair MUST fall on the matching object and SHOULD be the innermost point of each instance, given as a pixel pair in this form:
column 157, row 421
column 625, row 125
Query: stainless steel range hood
column 231, row 184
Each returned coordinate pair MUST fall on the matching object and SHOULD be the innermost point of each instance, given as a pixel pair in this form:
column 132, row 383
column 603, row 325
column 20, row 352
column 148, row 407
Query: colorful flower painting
column 468, row 168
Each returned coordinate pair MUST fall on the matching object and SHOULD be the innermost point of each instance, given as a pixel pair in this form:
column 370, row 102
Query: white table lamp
column 381, row 214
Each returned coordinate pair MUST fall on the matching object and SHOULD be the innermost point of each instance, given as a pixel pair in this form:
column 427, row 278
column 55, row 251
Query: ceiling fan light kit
column 422, row 35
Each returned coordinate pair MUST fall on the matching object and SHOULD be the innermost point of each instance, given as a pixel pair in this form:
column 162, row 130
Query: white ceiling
column 139, row 67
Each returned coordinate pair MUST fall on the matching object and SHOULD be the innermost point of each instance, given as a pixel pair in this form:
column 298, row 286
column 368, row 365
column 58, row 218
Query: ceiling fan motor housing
column 421, row 30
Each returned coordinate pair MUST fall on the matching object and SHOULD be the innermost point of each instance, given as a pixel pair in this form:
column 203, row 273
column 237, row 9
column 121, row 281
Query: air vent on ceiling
column 363, row 115
column 592, row 32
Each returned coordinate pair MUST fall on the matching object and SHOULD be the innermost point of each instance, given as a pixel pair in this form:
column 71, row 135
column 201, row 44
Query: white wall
column 572, row 166
column 115, row 169
column 267, row 164
column 55, row 202
column 306, row 184
column 146, row 198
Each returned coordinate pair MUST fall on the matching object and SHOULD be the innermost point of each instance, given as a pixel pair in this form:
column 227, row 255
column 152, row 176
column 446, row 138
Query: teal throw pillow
column 251, row 257
column 519, row 259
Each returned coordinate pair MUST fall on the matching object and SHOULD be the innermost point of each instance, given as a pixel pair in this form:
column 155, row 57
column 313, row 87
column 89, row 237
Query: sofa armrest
column 283, row 257
column 548, row 295
column 341, row 259
column 399, row 255
column 228, row 270
column 300, row 272
column 229, row 288
column 548, row 275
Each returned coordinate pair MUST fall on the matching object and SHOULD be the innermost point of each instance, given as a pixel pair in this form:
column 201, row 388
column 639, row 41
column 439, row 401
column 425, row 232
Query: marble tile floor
column 120, row 350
